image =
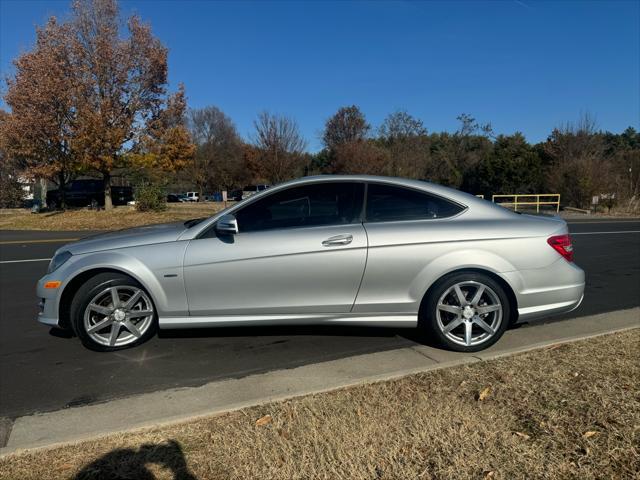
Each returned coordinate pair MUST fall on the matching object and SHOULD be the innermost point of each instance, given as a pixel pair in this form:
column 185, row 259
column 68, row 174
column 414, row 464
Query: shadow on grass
column 51, row 213
column 129, row 463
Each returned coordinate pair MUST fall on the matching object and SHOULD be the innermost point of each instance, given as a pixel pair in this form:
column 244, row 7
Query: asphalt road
column 40, row 371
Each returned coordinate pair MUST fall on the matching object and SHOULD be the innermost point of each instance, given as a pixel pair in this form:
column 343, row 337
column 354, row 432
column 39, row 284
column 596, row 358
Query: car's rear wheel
column 111, row 312
column 466, row 312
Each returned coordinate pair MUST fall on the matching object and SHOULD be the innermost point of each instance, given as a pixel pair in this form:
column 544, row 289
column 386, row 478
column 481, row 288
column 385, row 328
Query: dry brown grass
column 570, row 411
column 119, row 217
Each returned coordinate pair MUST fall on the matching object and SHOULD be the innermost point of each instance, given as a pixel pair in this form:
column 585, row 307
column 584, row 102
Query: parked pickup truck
column 84, row 193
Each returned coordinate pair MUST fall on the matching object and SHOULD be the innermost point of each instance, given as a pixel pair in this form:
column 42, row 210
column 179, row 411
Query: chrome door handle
column 338, row 240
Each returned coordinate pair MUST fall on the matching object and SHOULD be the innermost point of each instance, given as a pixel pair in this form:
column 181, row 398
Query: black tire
column 432, row 327
column 88, row 291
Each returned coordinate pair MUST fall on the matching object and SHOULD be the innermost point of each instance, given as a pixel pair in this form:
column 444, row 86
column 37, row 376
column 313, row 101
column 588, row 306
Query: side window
column 306, row 206
column 387, row 203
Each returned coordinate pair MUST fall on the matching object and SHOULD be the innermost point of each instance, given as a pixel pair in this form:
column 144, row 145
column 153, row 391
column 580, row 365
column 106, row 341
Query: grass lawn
column 568, row 411
column 118, row 218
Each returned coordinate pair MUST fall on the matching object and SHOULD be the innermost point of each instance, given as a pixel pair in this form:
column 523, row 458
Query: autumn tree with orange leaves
column 96, row 99
column 166, row 144
column 40, row 129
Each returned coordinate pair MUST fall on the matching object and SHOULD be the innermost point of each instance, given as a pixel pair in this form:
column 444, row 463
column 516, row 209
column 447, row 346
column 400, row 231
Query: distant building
column 28, row 185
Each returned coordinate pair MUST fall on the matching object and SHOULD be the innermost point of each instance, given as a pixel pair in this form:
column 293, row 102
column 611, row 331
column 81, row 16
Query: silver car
column 328, row 250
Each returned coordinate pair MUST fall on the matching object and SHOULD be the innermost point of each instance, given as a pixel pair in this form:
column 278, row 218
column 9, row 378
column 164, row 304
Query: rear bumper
column 553, row 290
column 540, row 311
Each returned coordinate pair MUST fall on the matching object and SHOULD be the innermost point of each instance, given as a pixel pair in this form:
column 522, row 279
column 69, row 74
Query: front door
column 298, row 250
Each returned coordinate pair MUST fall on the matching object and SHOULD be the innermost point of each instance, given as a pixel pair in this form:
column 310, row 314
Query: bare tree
column 281, row 146
column 400, row 125
column 406, row 139
column 623, row 150
column 469, row 126
column 577, row 169
column 453, row 155
column 347, row 147
column 218, row 163
column 347, row 125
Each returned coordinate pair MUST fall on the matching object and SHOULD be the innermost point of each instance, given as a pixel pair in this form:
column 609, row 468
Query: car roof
column 447, row 192
column 480, row 208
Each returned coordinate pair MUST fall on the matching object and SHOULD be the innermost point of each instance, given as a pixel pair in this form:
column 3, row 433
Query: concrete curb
column 173, row 406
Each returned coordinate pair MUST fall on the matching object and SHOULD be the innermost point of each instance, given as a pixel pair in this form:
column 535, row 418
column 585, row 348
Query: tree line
column 92, row 98
column 577, row 160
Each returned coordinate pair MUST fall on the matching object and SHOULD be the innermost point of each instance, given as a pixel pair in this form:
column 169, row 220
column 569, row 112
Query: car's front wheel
column 112, row 311
column 466, row 312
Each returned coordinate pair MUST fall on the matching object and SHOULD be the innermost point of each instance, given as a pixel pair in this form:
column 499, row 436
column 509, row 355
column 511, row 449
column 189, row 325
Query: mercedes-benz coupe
column 328, row 250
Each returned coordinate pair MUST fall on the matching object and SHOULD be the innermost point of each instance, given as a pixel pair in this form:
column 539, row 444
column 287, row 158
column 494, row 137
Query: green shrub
column 150, row 197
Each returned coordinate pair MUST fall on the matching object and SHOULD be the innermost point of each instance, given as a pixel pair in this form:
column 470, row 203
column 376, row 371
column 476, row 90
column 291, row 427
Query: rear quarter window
column 387, row 203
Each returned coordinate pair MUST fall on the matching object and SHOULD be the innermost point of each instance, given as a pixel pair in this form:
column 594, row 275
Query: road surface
column 43, row 372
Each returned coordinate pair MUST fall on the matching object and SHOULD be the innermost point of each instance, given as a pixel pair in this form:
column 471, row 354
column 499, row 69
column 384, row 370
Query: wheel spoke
column 476, row 298
column 139, row 313
column 468, row 326
column 484, row 325
column 132, row 301
column 460, row 294
column 450, row 308
column 132, row 328
column 115, row 299
column 100, row 325
column 100, row 309
column 453, row 324
column 115, row 332
column 487, row 309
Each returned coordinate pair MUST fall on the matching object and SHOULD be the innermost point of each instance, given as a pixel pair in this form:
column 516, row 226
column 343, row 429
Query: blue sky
column 521, row 65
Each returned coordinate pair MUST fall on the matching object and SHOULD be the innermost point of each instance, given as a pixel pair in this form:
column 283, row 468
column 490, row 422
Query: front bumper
column 49, row 301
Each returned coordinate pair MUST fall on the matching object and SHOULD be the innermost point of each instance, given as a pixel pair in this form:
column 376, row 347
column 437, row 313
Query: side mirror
column 227, row 225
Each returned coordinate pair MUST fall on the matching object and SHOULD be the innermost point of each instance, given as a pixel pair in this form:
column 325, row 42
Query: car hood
column 131, row 237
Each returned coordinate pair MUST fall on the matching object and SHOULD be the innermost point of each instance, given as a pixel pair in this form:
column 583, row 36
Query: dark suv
column 84, row 193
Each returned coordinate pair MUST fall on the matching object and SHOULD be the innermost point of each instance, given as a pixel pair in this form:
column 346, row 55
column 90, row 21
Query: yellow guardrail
column 538, row 196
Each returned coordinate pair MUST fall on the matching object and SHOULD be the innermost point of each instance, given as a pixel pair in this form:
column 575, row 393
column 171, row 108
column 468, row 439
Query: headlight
column 58, row 260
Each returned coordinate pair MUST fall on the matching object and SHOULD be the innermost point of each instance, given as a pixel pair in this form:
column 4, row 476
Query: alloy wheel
column 469, row 313
column 118, row 316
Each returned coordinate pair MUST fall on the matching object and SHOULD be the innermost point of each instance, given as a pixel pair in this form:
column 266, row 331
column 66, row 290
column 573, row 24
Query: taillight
column 562, row 245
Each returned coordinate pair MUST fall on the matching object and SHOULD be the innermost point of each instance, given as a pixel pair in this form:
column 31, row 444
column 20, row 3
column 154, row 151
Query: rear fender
column 458, row 260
